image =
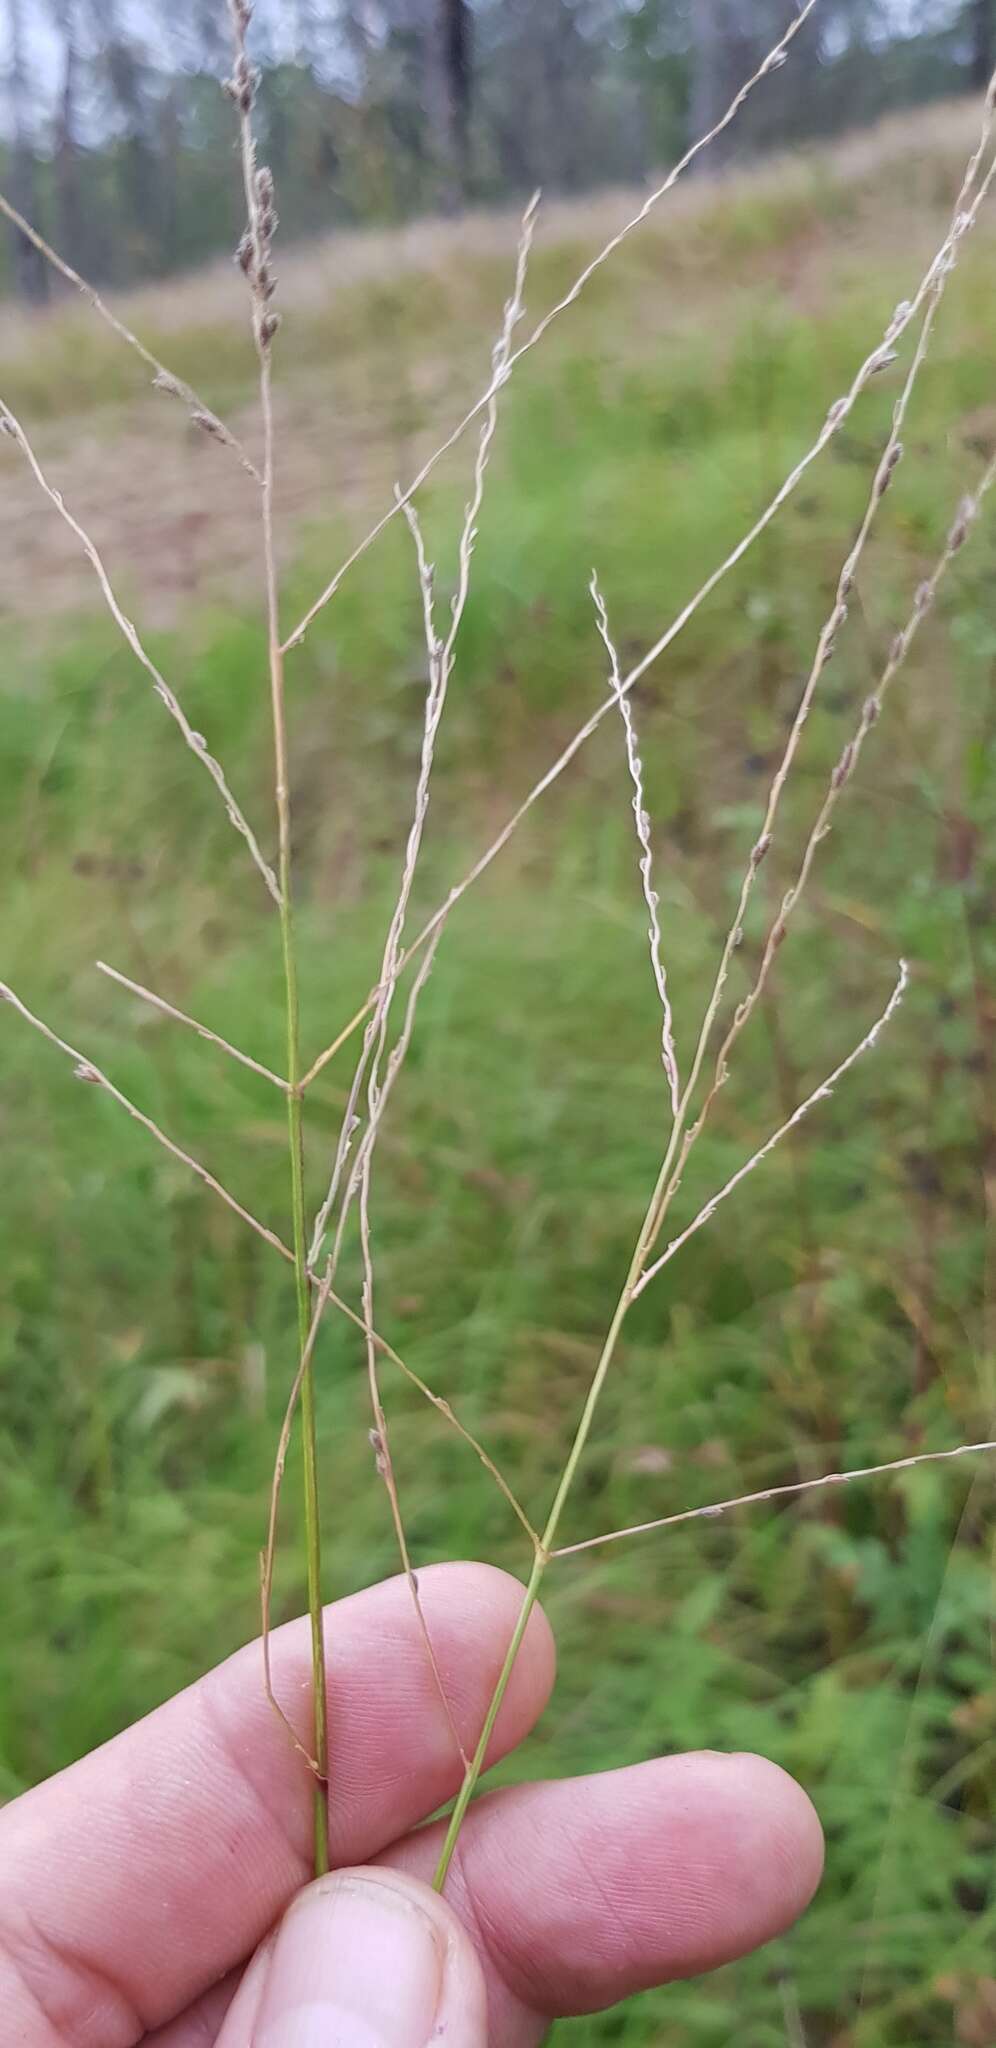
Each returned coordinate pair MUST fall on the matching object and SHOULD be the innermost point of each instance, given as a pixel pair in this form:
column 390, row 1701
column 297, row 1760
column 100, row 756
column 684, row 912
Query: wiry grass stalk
column 316, row 1764
column 442, row 1407
column 255, row 255
column 441, row 656
column 12, row 427
column 775, row 58
column 548, row 1536
column 640, row 1274
column 711, row 1510
column 878, row 360
column 931, row 286
column 376, row 1032
column 669, row 1057
column 684, row 1139
column 841, row 775
column 820, row 1094
column 86, row 1070
column 380, row 1442
column 163, row 379
column 380, row 1066
column 326, row 1293
column 147, row 995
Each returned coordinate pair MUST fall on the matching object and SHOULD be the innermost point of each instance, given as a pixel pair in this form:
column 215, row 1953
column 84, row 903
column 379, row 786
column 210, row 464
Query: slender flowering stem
column 713, row 1509
column 195, row 740
column 87, row 1071
column 255, row 255
column 820, row 1094
column 669, row 1057
column 548, row 1537
column 775, row 58
column 441, row 654
column 443, row 1407
column 884, row 472
column 441, row 659
column 880, row 357
column 326, row 1293
column 166, row 1009
column 163, row 379
column 847, row 761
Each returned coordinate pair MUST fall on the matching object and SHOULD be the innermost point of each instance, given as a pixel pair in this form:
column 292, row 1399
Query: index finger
column 134, row 1880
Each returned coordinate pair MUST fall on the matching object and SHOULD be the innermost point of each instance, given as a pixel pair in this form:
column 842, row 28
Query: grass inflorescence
column 844, row 1317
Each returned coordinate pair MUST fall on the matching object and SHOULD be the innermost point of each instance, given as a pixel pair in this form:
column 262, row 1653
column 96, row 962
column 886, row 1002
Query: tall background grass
column 843, row 1310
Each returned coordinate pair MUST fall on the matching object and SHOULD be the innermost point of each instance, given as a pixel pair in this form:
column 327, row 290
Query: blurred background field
column 842, row 1309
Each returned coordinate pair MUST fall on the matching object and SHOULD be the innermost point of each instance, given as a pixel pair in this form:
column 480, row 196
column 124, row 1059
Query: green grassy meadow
column 843, row 1307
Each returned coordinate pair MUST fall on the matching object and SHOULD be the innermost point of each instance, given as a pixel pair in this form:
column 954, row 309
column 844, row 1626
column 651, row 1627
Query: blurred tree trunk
column 124, row 67
column 718, row 43
column 456, row 66
column 30, row 272
column 66, row 155
column 168, row 153
column 729, row 40
column 983, row 59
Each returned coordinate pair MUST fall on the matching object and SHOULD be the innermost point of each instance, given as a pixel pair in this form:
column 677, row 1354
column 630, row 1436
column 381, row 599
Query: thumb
column 362, row 1959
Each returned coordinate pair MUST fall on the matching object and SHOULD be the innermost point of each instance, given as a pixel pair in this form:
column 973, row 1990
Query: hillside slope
column 386, row 340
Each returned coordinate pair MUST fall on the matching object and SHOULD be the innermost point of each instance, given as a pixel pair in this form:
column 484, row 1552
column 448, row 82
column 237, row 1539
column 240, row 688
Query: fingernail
column 357, row 1964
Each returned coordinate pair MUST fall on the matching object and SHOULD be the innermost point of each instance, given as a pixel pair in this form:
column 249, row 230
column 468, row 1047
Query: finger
column 180, row 1843
column 200, row 2025
column 631, row 1879
column 204, row 2021
column 367, row 1957
column 582, row 1892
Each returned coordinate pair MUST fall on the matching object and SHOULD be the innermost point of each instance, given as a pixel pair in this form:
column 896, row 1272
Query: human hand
column 136, row 1887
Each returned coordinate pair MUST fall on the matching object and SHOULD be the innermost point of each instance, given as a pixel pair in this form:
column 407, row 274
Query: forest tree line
column 117, row 141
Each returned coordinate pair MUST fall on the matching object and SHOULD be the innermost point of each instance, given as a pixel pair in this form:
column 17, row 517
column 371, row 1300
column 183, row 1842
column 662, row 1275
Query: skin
column 136, row 1886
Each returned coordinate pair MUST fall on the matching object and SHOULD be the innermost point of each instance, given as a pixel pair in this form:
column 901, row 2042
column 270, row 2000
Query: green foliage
column 842, row 1309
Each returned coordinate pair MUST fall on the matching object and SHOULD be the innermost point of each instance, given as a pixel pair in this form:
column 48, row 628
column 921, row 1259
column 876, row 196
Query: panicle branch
column 325, row 1293
column 669, row 1057
column 664, row 1184
column 775, row 58
column 85, row 1070
column 847, row 762
column 885, row 470
column 436, row 1401
column 441, row 657
column 195, row 740
column 163, row 379
column 714, row 1509
column 254, row 254
column 380, row 1444
column 880, row 358
column 819, row 1094
column 166, row 1009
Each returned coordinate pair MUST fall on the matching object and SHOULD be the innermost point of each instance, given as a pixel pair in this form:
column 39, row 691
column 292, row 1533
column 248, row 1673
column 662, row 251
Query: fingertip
column 740, row 1849
column 657, row 1871
column 730, row 1852
column 793, row 1837
column 364, row 1955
